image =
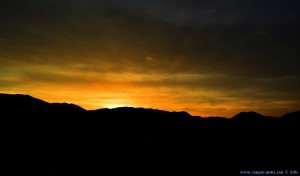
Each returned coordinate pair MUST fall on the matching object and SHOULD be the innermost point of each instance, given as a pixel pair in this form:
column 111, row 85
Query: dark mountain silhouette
column 247, row 115
column 63, row 139
column 254, row 119
column 293, row 116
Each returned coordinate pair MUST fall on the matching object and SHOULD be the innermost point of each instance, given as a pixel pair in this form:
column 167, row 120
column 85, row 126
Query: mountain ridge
column 63, row 139
column 20, row 98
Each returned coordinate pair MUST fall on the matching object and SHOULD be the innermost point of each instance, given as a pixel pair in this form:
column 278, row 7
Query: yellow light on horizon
column 116, row 103
column 112, row 106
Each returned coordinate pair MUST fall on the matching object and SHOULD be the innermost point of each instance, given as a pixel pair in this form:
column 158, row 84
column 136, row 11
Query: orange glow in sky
column 132, row 90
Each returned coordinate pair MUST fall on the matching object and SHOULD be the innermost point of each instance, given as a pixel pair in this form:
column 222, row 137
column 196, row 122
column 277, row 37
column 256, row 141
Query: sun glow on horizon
column 147, row 91
column 164, row 99
column 113, row 106
column 116, row 103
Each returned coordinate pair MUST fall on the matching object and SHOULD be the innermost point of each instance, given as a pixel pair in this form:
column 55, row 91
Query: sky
column 206, row 57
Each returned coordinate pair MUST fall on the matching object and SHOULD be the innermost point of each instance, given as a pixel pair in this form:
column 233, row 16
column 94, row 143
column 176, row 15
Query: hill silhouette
column 61, row 139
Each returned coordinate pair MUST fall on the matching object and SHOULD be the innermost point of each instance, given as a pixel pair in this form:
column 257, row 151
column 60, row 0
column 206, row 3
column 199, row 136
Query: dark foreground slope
column 63, row 139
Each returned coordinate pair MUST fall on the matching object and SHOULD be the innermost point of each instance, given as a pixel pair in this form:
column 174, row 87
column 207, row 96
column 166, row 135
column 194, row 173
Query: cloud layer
column 207, row 57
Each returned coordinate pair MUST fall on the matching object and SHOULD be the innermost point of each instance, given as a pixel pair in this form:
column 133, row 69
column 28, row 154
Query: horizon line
column 139, row 107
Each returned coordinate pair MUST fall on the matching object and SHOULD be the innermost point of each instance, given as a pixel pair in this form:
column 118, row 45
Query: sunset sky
column 206, row 57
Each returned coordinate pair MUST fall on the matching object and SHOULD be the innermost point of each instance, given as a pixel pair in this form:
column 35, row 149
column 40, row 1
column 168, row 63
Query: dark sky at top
column 242, row 51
